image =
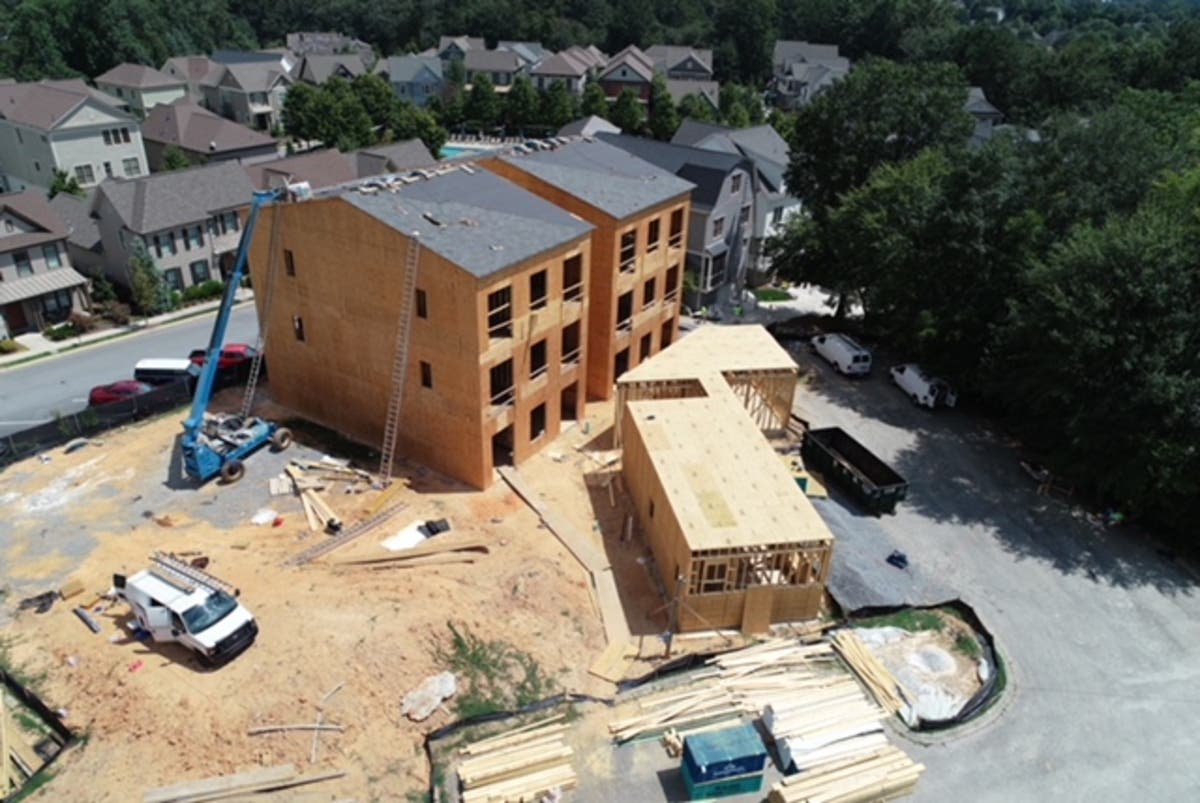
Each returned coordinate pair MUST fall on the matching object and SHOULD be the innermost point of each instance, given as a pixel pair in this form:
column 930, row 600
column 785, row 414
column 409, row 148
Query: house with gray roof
column 83, row 233
column 529, row 52
column 681, row 62
column 329, row 43
column 188, row 221
column 629, row 69
column 987, row 117
column 191, row 70
column 320, row 168
column 68, row 126
column 317, row 69
column 565, row 67
column 707, row 91
column 451, row 48
column 141, row 87
column 500, row 66
column 803, row 70
column 722, row 212
column 588, row 126
column 38, row 286
column 202, row 136
column 414, row 78
column 249, row 92
column 395, row 157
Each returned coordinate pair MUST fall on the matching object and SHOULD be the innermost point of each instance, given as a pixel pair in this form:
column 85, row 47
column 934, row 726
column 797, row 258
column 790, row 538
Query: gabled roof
column 45, row 104
column 477, row 220
column 465, row 43
column 667, row 57
column 248, row 56
column 590, row 56
column 253, row 77
column 403, row 69
column 196, row 129
column 318, row 69
column 82, row 229
column 32, row 207
column 978, row 104
column 138, row 76
column 562, row 64
column 633, row 58
column 323, row 168
column 530, row 52
column 693, row 132
column 761, row 144
column 602, row 176
column 492, row 61
column 787, row 51
column 679, row 89
column 704, row 168
column 192, row 68
column 398, row 157
column 163, row 200
column 588, row 126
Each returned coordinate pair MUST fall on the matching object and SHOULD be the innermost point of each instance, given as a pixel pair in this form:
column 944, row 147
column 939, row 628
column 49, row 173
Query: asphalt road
column 1101, row 630
column 31, row 394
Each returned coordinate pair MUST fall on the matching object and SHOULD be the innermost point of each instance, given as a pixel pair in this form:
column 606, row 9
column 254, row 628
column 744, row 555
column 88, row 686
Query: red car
column 233, row 356
column 117, row 391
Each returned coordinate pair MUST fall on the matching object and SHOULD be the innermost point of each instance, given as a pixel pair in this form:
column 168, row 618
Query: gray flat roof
column 610, row 179
column 477, row 220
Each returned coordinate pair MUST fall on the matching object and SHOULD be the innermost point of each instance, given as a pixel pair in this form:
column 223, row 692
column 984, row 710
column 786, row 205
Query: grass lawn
column 771, row 294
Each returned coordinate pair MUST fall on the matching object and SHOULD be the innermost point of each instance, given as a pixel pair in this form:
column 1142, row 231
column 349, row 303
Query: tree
column 65, row 183
column 748, row 98
column 341, row 120
column 175, row 159
column 664, row 118
column 736, row 116
column 559, row 106
column 377, row 97
column 595, row 102
column 521, row 106
column 150, row 292
column 745, row 30
column 300, row 117
column 409, row 122
column 628, row 113
column 482, row 107
column 697, row 108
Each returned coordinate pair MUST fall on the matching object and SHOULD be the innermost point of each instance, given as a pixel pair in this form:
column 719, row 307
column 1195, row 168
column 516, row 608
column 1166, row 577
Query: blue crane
column 217, row 443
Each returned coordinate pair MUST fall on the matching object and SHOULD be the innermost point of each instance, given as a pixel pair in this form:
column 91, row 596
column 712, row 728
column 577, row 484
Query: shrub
column 174, row 300
column 204, row 291
column 82, row 322
column 10, row 347
column 60, row 332
column 116, row 312
column 103, row 290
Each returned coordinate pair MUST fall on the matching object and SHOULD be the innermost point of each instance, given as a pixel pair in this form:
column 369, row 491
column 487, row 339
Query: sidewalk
column 39, row 347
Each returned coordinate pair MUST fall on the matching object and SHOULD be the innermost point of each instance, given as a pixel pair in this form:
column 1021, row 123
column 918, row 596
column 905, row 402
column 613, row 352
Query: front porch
column 33, row 303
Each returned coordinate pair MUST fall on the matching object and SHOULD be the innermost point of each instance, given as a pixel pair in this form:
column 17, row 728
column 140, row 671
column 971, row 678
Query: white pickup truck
column 177, row 602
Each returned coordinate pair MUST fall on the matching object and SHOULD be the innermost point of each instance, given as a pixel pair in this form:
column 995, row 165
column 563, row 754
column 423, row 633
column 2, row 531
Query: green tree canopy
column 521, row 105
column 483, row 106
column 595, row 102
column 558, row 106
column 150, row 292
column 697, row 108
column 664, row 119
column 175, row 159
column 300, row 116
column 64, row 182
column 628, row 114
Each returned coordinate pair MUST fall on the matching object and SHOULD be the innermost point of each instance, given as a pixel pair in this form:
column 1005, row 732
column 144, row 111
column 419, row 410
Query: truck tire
column 281, row 439
column 233, row 471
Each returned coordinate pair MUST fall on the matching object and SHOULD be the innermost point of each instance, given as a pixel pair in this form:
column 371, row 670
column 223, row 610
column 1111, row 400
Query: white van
column 846, row 356
column 923, row 389
column 166, row 371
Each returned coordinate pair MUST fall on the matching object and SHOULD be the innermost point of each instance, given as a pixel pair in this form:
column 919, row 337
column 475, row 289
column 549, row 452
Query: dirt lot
column 153, row 716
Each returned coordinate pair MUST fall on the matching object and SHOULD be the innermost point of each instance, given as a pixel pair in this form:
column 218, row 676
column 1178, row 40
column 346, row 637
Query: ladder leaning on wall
column 391, row 425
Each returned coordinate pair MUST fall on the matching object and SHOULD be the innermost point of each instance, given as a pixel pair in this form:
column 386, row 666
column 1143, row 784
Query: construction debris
column 520, row 765
column 88, row 620
column 426, row 698
column 309, row 726
column 871, row 671
column 224, row 787
column 880, row 774
column 427, row 554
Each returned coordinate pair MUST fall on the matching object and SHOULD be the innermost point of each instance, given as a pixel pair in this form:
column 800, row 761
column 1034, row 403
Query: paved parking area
column 1101, row 631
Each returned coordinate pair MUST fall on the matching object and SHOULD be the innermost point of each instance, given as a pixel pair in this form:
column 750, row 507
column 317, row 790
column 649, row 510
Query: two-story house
column 497, row 340
column 500, row 66
column 187, row 220
column 141, row 87
column 455, row 48
column 249, row 92
column 414, row 78
column 564, row 67
column 681, row 62
column 191, row 70
column 317, row 69
column 329, row 43
column 803, row 70
column 629, row 69
column 67, row 126
column 530, row 53
column 640, row 212
column 722, row 212
column 38, row 286
column 202, row 136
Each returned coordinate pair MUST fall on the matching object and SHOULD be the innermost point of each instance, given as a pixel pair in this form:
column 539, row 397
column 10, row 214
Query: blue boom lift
column 217, row 443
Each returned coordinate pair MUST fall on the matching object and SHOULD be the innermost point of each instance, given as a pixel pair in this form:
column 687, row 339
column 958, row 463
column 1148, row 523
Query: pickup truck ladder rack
column 408, row 292
column 179, row 570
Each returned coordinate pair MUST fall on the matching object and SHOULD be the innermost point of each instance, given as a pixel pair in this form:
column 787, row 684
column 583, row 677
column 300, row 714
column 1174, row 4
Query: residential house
column 84, row 247
column 327, row 43
column 38, row 286
column 416, row 79
column 500, row 66
column 987, row 117
column 721, row 219
column 629, row 69
column 328, row 168
column 803, row 70
column 455, row 48
column 774, row 205
column 396, row 157
column 497, row 341
column 187, row 220
column 141, row 87
column 565, row 67
column 249, row 92
column 682, row 63
column 637, row 251
column 707, row 91
column 202, row 136
column 279, row 57
column 588, row 126
column 67, row 126
column 316, row 70
column 192, row 70
column 530, row 53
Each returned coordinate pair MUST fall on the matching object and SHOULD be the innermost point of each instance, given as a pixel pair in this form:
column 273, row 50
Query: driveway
column 1101, row 631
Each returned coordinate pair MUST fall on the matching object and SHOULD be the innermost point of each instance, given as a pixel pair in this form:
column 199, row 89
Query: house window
column 24, row 266
column 537, row 359
column 195, row 235
column 537, row 422
column 125, row 135
column 500, row 313
column 422, row 304
column 50, row 252
column 108, row 169
column 57, row 306
column 571, row 345
column 628, row 260
column 667, row 334
column 107, row 136
column 676, row 236
column 671, row 287
column 289, row 263
column 718, row 227
column 744, row 217
column 777, row 215
column 537, row 290
column 298, row 327
column 174, row 279
column 573, row 278
column 625, row 311
column 200, row 272
column 652, row 235
column 735, row 183
column 165, row 244
column 84, row 174
column 231, row 221
column 500, row 379
column 131, row 166
column 426, row 375
column 645, row 348
column 648, row 293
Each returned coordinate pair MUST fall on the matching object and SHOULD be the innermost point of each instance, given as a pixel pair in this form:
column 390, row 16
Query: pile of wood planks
column 435, row 551
column 308, row 478
column 242, row 785
column 871, row 671
column 881, row 774
column 517, row 766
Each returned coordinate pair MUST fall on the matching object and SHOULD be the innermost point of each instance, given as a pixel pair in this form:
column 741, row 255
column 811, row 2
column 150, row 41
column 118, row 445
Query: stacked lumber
column 308, row 478
column 881, row 774
column 519, row 765
column 436, row 551
column 871, row 671
column 226, row 787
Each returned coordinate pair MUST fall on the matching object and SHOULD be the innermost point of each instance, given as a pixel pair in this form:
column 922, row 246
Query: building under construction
column 736, row 542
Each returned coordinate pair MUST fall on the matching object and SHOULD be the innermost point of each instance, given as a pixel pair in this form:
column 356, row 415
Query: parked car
column 166, row 371
column 117, row 391
column 927, row 391
column 235, row 356
column 843, row 353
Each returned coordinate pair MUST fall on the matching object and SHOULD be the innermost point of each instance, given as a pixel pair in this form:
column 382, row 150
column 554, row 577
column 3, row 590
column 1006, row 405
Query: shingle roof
column 160, row 201
column 402, row 69
column 139, row 76
column 39, row 284
column 679, row 89
column 530, row 52
column 692, row 132
column 590, row 56
column 666, row 57
column 31, row 206
column 761, row 144
column 706, row 169
column 603, row 176
column 465, row 43
column 487, row 224
column 319, row 68
column 633, row 58
column 76, row 213
column 193, row 68
column 978, row 104
column 44, row 105
column 256, row 77
column 394, row 158
column 196, row 129
column 319, row 168
column 787, row 51
column 492, row 61
column 562, row 63
column 588, row 126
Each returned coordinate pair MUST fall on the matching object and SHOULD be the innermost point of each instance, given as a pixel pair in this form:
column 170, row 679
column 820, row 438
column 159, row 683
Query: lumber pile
column 870, row 670
column 519, row 765
column 308, row 478
column 440, row 550
column 226, row 787
column 881, row 774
